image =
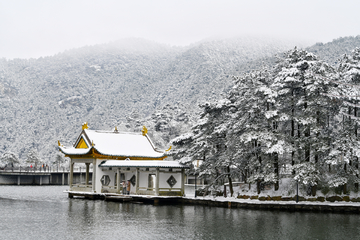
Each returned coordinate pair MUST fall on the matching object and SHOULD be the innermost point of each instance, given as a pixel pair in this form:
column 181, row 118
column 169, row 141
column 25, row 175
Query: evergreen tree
column 253, row 129
column 207, row 142
column 9, row 159
column 59, row 160
column 305, row 109
column 33, row 157
column 346, row 164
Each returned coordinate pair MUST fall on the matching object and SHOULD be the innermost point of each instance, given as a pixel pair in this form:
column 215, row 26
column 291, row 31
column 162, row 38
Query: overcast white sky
column 34, row 28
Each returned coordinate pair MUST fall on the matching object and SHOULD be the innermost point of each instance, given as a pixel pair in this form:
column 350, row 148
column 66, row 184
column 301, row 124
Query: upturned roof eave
column 80, row 152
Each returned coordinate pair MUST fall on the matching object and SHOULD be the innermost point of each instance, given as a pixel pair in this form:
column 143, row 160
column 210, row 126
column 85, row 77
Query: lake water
column 45, row 212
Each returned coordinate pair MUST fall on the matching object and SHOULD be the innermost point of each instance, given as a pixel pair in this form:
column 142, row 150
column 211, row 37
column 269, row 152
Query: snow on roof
column 117, row 144
column 147, row 164
column 74, row 151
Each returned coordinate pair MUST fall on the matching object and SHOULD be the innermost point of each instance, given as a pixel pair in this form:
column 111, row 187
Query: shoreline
column 293, row 206
column 227, row 202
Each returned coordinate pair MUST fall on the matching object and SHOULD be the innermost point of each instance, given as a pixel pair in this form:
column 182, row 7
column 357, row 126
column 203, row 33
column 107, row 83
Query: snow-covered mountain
column 117, row 84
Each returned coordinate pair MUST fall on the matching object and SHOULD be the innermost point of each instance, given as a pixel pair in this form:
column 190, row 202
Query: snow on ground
column 287, row 188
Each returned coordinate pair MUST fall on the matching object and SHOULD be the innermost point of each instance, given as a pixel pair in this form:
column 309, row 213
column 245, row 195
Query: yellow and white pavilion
column 117, row 157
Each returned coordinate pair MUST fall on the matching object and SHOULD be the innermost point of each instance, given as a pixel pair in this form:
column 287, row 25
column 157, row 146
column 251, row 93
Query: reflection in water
column 45, row 212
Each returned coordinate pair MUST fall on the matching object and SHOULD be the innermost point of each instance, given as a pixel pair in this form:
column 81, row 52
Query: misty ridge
column 128, row 83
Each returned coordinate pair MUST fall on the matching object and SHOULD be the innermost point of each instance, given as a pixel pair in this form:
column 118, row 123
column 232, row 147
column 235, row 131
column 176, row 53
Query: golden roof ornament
column 116, row 130
column 144, row 131
column 85, row 126
column 168, row 149
column 92, row 143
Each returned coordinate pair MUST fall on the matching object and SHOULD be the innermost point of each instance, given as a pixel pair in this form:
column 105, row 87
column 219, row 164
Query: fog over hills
column 127, row 83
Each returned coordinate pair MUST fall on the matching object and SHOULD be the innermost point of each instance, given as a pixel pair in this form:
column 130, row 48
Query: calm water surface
column 45, row 212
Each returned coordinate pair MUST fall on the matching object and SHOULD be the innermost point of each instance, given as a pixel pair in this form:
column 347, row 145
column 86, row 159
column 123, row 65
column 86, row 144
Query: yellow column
column 93, row 175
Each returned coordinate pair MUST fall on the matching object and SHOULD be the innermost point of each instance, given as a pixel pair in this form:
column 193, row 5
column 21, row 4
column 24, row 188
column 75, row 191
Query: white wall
column 98, row 175
column 100, row 172
column 143, row 177
column 165, row 176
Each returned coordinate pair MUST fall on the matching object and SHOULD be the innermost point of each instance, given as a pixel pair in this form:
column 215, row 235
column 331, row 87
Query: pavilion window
column 171, row 181
column 105, row 180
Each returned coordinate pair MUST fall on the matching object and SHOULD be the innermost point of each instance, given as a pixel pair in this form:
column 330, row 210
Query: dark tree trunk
column 345, row 185
column 313, row 190
column 292, row 137
column 345, row 188
column 307, row 136
column 230, row 181
column 292, row 130
column 356, row 185
column 316, row 157
column 357, row 175
column 276, row 170
column 293, row 161
column 307, row 145
column 258, row 186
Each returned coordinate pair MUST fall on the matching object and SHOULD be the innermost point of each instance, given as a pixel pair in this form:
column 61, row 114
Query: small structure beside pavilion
column 117, row 157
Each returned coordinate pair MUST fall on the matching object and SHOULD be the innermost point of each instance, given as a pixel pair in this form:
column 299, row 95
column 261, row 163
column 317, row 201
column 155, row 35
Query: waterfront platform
column 151, row 199
column 118, row 198
column 292, row 206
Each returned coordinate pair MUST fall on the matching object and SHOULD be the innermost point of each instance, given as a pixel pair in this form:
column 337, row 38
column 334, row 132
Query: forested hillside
column 128, row 83
column 117, row 84
column 331, row 52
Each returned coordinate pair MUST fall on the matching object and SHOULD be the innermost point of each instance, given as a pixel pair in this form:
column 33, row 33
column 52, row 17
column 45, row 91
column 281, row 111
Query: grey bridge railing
column 48, row 169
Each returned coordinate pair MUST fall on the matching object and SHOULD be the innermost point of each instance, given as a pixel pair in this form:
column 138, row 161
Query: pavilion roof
column 115, row 144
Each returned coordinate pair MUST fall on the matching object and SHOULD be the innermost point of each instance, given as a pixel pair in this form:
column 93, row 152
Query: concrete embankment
column 336, row 207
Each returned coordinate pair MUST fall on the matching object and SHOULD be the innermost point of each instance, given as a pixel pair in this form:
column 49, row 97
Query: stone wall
column 301, row 198
column 280, row 206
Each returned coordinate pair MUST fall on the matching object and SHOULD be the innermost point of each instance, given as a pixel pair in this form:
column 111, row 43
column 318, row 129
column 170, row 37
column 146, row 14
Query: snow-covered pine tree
column 9, row 159
column 253, row 131
column 305, row 108
column 192, row 145
column 207, row 142
column 59, row 160
column 346, row 161
column 218, row 116
column 33, row 157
